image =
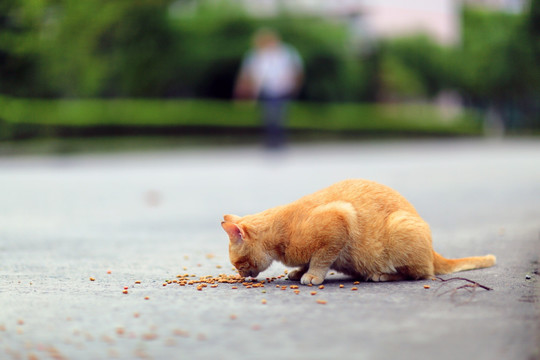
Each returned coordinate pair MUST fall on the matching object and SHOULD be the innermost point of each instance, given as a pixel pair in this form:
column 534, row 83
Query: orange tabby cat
column 357, row 227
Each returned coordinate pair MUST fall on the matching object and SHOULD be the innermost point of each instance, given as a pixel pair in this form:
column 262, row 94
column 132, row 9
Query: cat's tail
column 447, row 266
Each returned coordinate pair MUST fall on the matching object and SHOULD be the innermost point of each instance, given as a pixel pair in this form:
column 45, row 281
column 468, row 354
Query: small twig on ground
column 471, row 288
column 464, row 279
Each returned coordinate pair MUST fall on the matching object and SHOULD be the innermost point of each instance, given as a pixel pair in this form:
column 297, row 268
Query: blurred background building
column 387, row 18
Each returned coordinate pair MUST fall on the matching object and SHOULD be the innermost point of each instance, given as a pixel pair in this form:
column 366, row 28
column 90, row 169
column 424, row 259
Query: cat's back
column 361, row 194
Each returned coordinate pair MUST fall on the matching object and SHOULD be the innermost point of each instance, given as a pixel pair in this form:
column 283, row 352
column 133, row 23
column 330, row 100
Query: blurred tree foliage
column 414, row 67
column 19, row 53
column 76, row 48
column 189, row 48
column 495, row 65
column 159, row 48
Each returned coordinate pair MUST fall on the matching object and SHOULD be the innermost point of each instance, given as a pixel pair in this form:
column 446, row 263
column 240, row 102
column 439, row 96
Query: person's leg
column 274, row 117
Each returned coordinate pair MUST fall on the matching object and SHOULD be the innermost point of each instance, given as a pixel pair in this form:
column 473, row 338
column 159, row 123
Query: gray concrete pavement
column 150, row 216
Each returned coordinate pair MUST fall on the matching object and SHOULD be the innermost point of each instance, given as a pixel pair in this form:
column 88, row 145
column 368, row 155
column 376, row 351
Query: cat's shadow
column 336, row 280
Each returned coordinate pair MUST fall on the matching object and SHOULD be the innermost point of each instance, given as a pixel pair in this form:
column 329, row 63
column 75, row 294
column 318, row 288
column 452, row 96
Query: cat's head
column 246, row 252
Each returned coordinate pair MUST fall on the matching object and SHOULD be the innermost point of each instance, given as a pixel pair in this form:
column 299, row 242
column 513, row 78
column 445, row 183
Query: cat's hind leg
column 409, row 246
column 297, row 274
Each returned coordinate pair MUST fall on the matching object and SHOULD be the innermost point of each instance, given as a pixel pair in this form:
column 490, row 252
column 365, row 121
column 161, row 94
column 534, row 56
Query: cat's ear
column 231, row 218
column 235, row 232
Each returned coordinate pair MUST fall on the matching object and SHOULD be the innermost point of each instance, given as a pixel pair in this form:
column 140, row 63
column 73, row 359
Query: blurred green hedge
column 21, row 118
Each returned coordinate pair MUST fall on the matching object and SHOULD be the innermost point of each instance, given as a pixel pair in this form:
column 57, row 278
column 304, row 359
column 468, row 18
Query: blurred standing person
column 272, row 72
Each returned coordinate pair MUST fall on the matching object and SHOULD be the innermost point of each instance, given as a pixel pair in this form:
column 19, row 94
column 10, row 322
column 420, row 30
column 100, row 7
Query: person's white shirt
column 274, row 70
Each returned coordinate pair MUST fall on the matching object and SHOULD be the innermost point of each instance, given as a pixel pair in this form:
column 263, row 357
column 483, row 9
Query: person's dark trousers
column 274, row 116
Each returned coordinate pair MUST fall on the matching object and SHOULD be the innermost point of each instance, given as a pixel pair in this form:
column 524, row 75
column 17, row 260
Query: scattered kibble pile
column 203, row 282
column 200, row 283
column 213, row 282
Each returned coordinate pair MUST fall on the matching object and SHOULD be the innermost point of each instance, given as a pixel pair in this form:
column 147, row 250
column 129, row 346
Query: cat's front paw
column 308, row 278
column 296, row 275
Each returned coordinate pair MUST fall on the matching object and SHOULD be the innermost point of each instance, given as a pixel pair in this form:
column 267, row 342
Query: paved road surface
column 150, row 216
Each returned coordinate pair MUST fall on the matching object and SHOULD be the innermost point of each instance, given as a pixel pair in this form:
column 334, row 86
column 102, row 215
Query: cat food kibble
column 149, row 336
column 426, row 286
column 319, row 301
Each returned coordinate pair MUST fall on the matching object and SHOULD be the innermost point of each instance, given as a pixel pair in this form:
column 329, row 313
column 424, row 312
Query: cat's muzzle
column 250, row 273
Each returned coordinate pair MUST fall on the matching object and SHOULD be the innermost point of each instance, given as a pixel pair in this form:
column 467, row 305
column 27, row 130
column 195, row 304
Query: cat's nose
column 243, row 273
